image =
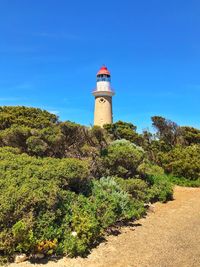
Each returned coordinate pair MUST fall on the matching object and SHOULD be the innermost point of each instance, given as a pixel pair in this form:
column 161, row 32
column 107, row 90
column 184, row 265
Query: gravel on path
column 168, row 237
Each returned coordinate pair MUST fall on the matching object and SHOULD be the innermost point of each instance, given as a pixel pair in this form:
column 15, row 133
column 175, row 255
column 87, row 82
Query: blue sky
column 51, row 50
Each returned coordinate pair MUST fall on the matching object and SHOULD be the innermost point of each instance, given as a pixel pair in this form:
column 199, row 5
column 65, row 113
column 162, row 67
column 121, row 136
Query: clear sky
column 50, row 51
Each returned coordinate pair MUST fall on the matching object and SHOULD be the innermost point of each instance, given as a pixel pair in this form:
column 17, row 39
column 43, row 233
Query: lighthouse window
column 102, row 100
column 107, row 79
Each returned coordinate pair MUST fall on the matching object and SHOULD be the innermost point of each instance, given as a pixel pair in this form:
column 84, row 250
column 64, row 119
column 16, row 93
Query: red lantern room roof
column 103, row 70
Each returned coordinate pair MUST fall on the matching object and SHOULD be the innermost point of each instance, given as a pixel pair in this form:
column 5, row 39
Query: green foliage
column 39, row 133
column 155, row 188
column 167, row 131
column 25, row 116
column 181, row 181
column 147, row 168
column 35, row 188
column 122, row 158
column 36, row 146
column 23, row 236
column 123, row 130
column 112, row 203
column 99, row 137
column 28, row 183
column 182, row 162
column 85, row 226
column 191, row 135
column 137, row 188
column 9, row 149
column 107, row 204
column 161, row 189
column 15, row 136
column 40, row 213
column 52, row 199
column 75, row 137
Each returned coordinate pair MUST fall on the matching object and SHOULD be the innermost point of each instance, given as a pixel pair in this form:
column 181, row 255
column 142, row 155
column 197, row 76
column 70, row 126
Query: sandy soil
column 168, row 237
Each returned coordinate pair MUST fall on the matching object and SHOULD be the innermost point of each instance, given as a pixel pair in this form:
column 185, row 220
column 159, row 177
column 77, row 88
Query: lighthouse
column 103, row 98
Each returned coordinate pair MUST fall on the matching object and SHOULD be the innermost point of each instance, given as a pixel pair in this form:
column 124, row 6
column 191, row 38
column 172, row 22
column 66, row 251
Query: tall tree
column 167, row 131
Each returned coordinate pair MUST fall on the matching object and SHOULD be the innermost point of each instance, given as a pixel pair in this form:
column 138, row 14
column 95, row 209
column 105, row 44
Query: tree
column 167, row 131
column 123, row 130
column 191, row 135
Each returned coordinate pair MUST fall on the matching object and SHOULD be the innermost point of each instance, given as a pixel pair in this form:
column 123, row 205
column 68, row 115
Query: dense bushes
column 122, row 158
column 24, row 116
column 113, row 203
column 39, row 133
column 155, row 188
column 38, row 205
column 107, row 204
column 50, row 206
column 147, row 168
column 137, row 188
column 161, row 189
column 52, row 197
column 182, row 162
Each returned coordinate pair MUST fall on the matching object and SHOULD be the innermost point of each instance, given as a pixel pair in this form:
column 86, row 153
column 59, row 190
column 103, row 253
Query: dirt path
column 168, row 237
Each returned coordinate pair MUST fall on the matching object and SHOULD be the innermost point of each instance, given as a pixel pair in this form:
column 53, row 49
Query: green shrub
column 36, row 146
column 147, row 168
column 38, row 213
column 15, row 136
column 182, row 162
column 112, row 203
column 161, row 189
column 137, row 188
column 25, row 116
column 36, row 188
column 50, row 205
column 122, row 158
column 84, row 225
column 9, row 149
column 181, row 181
column 23, row 237
column 40, row 133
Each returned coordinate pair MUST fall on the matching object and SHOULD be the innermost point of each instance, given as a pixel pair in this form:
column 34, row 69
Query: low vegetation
column 63, row 185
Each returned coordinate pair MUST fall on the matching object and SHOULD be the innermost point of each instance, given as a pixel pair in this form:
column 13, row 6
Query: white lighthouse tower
column 103, row 98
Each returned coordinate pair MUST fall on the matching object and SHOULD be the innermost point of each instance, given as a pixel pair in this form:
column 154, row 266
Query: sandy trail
column 168, row 237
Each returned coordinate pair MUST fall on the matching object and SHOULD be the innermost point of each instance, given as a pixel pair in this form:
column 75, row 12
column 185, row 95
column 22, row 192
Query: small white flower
column 74, row 234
